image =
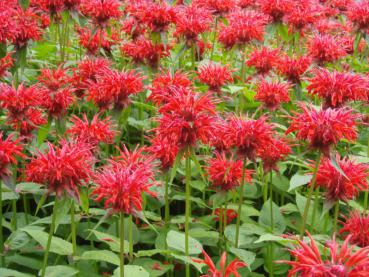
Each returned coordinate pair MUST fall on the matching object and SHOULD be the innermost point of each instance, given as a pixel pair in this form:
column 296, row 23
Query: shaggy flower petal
column 10, row 149
column 272, row 94
column 293, row 68
column 325, row 48
column 263, row 59
column 215, row 76
column 101, row 10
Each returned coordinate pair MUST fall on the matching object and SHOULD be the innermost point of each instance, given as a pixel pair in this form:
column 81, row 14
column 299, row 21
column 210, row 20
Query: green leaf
column 4, row 272
column 246, row 235
column 60, row 271
column 25, row 261
column 188, row 260
column 298, row 180
column 152, row 252
column 58, row 245
column 112, row 241
column 101, row 255
column 247, row 257
column 271, row 237
column 43, row 132
column 335, row 164
column 153, row 267
column 132, row 271
column 279, row 223
column 17, row 240
column 29, row 187
column 176, row 241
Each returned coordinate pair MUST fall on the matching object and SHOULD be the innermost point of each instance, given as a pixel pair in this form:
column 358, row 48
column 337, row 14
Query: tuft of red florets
column 293, row 67
column 123, row 181
column 215, row 76
column 324, row 128
column 225, row 271
column 62, row 168
column 325, row 48
column 94, row 40
column 10, row 149
column 217, row 7
column 338, row 186
column 92, row 132
column 223, row 214
column 101, row 11
column 272, row 94
column 358, row 13
column 5, row 64
column 356, row 226
column 273, row 152
column 342, row 261
column 276, row 9
column 226, row 173
column 248, row 135
column 263, row 59
column 337, row 88
column 163, row 150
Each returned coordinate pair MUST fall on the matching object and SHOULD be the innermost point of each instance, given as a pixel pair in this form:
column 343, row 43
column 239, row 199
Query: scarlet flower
column 276, row 9
column 248, row 135
column 144, row 51
column 348, row 43
column 244, row 26
column 7, row 27
column 101, row 11
column 164, row 151
column 243, row 4
column 217, row 7
column 228, row 214
column 114, row 87
column 22, row 107
column 27, row 27
column 325, row 48
column 358, row 13
column 93, row 41
column 215, row 76
column 301, row 14
column 92, row 132
column 5, row 64
column 356, row 226
column 343, row 260
column 10, row 149
column 62, row 168
column 263, row 59
column 272, row 94
column 164, row 85
column 121, row 183
column 338, row 186
column 131, row 26
column 337, row 88
column 226, row 174
column 273, row 152
column 293, row 67
column 186, row 119
column 72, row 5
column 324, row 128
column 53, row 79
column 220, row 129
column 225, row 270
column 341, row 5
column 192, row 21
column 201, row 47
column 50, row 6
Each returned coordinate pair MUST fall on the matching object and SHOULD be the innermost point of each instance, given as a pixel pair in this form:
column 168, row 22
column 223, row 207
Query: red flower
column 276, row 9
column 263, row 59
column 226, row 174
column 144, row 51
column 121, row 183
column 27, row 27
column 358, row 13
column 302, row 13
column 220, row 129
column 324, row 128
column 272, row 94
column 225, row 270
column 220, row 7
column 341, row 5
column 132, row 27
column 101, row 11
column 72, row 5
column 114, row 87
column 5, row 64
column 229, row 214
column 325, row 48
column 54, row 79
column 22, row 107
column 215, row 76
column 9, row 150
column 337, row 88
column 243, row 4
column 93, row 41
column 248, row 135
column 164, row 151
column 62, row 169
column 186, row 118
column 356, row 226
column 164, row 85
column 50, row 6
column 338, row 186
column 273, row 152
column 343, row 260
column 244, row 26
column 294, row 67
column 7, row 26
column 94, row 132
column 192, row 21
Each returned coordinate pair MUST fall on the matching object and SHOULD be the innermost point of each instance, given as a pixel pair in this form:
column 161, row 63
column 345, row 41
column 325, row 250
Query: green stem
column 2, row 261
column 271, row 200
column 166, row 197
column 14, row 219
column 193, row 55
column 307, row 206
column 121, row 244
column 51, row 232
column 73, row 228
column 316, row 204
column 240, row 203
column 130, row 236
column 188, row 208
column 336, row 213
column 214, row 38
